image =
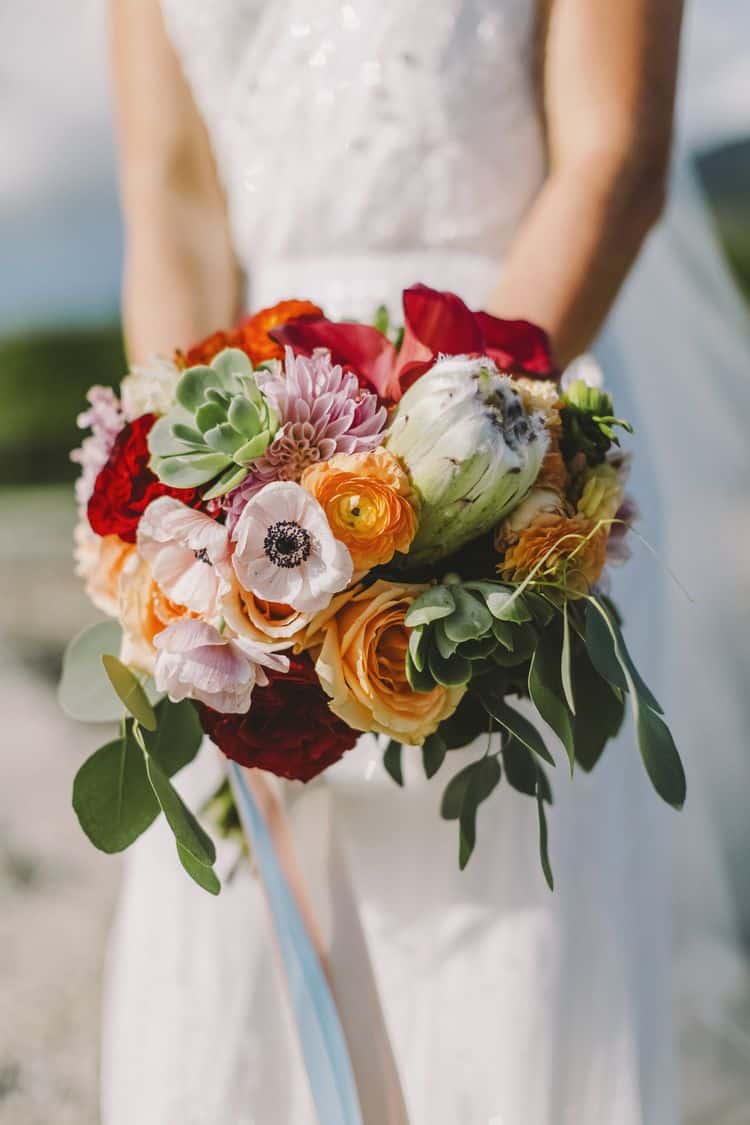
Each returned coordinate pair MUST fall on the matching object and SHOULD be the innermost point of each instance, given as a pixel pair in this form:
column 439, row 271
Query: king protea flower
column 471, row 449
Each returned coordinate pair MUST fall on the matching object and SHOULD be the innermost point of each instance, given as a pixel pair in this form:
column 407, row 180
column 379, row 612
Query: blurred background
column 61, row 245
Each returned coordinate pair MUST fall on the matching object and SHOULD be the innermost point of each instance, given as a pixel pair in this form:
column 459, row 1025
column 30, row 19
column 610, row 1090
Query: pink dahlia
column 105, row 419
column 322, row 409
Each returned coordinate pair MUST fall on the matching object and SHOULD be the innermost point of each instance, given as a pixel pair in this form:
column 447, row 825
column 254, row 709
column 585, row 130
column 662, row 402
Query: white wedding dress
column 364, row 146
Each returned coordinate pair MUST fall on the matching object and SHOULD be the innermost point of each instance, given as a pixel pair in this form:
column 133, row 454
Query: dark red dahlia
column 289, row 729
column 126, row 486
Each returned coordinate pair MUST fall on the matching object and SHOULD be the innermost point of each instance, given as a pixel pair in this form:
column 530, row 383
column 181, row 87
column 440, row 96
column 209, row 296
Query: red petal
column 434, row 322
column 516, row 345
column 361, row 347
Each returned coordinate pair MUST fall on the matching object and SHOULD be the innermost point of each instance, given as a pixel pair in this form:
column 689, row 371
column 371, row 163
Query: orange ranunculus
column 573, row 549
column 144, row 612
column 368, row 502
column 99, row 561
column 362, row 667
column 253, row 331
column 250, row 335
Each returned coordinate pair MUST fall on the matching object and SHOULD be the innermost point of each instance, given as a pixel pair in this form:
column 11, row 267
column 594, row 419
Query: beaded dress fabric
column 365, row 146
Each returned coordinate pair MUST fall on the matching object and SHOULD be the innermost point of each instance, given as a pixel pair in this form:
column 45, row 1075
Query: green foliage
column 459, row 627
column 588, row 424
column 44, row 377
column 129, row 691
column 84, row 692
column 220, row 425
column 392, row 761
column 122, row 787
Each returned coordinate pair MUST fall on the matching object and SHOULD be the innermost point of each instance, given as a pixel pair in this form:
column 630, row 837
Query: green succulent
column 220, row 424
column 588, row 422
column 458, row 629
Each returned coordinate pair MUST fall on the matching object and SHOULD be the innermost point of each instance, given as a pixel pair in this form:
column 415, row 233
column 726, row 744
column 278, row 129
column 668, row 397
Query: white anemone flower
column 196, row 661
column 186, row 550
column 285, row 551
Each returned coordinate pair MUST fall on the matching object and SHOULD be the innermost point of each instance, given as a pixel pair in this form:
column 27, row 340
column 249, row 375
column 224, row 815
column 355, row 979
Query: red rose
column 289, row 729
column 126, row 486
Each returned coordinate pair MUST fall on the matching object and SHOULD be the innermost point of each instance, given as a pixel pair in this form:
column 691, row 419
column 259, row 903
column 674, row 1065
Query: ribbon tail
column 324, row 1048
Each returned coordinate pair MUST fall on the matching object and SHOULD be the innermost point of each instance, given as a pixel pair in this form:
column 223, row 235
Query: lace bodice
column 368, row 127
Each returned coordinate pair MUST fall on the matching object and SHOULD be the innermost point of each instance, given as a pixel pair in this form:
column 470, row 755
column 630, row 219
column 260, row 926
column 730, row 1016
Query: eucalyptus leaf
column 181, row 820
column 431, row 605
column 566, row 673
column 602, row 645
column 177, row 737
column 129, row 691
column 466, row 724
column 544, row 841
column 453, row 672
column 201, row 873
column 476, row 773
column 523, row 771
column 481, row 784
column 392, row 760
column 471, row 618
column 660, row 756
column 433, row 754
column 516, row 724
column 546, row 691
column 600, row 709
column 84, row 693
column 418, row 646
column 419, row 681
column 112, row 797
column 508, row 605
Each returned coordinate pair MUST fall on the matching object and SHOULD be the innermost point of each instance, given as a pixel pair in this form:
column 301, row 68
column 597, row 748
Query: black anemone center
column 287, row 544
column 202, row 555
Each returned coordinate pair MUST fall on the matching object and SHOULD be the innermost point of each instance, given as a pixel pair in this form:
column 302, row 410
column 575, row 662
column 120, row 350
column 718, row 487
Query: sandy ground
column 57, row 893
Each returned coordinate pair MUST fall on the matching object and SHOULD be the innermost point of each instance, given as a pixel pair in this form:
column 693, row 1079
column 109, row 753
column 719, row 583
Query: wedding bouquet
column 304, row 530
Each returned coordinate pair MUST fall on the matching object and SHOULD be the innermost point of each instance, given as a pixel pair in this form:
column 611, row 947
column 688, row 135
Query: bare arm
column 609, row 79
column 181, row 281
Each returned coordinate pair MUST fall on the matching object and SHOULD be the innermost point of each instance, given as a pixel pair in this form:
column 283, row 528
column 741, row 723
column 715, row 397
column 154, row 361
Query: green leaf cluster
column 588, row 423
column 459, row 628
column 121, row 789
column 222, row 423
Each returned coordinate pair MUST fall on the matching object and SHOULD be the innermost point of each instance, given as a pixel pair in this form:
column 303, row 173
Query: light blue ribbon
column 324, row 1048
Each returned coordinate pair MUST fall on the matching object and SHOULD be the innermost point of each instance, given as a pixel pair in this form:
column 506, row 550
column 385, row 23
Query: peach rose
column 257, row 620
column 100, row 561
column 574, row 551
column 144, row 612
column 368, row 502
column 362, row 667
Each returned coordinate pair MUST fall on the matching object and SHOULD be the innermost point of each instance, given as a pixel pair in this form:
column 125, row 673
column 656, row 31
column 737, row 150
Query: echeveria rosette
column 588, row 422
column 460, row 629
column 221, row 424
column 471, row 450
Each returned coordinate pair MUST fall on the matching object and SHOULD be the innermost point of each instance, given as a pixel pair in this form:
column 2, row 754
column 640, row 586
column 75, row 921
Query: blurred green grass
column 44, row 376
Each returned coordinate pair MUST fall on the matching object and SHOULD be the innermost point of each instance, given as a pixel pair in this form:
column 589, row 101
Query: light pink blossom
column 188, row 553
column 196, row 661
column 105, row 419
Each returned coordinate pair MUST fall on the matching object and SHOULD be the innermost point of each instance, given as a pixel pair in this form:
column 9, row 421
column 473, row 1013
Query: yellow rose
column 144, row 612
column 362, row 667
column 368, row 502
column 99, row 561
